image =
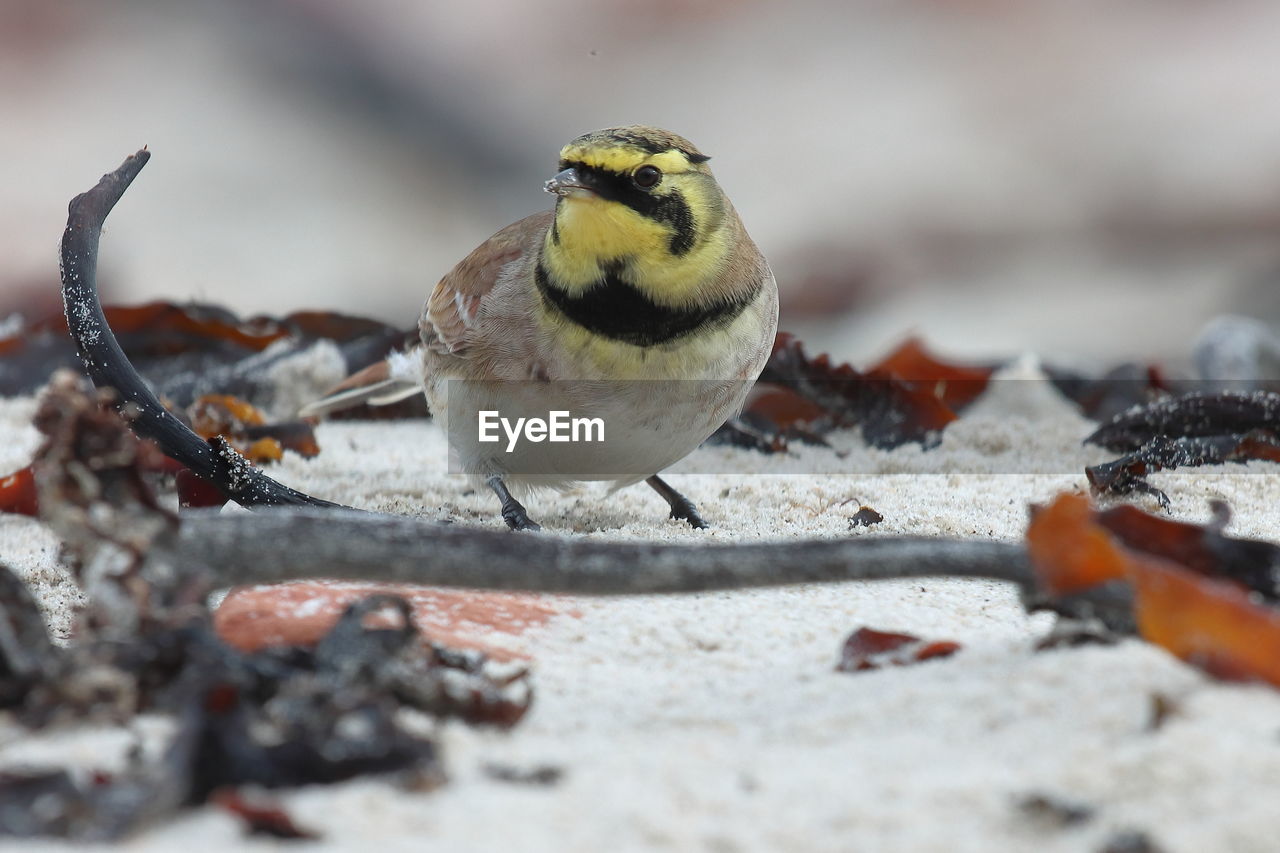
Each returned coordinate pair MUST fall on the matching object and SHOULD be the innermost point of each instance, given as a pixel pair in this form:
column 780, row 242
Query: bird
column 639, row 300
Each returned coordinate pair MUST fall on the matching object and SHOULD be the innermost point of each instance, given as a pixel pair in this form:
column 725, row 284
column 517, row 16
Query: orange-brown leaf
column 222, row 414
column 1180, row 601
column 264, row 450
column 1069, row 551
column 1213, row 624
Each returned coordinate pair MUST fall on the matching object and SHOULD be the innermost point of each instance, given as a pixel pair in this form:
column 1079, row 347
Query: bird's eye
column 646, row 177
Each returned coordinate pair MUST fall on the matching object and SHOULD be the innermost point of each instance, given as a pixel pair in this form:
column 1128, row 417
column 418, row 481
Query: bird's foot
column 681, row 507
column 686, row 510
column 517, row 519
column 513, row 512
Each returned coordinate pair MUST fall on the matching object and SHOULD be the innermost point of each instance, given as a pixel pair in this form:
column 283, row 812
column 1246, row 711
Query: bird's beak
column 568, row 183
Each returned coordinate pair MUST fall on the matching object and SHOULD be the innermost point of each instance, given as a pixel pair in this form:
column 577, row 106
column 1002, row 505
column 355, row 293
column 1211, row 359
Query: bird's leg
column 681, row 507
column 513, row 513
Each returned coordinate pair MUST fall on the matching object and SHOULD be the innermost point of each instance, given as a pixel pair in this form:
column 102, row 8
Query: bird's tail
column 396, row 378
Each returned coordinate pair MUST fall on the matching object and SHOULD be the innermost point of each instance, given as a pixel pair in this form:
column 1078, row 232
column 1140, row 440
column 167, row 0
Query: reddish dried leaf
column 784, row 407
column 955, row 385
column 18, row 493
column 1257, row 445
column 1179, row 541
column 171, row 328
column 196, row 493
column 868, row 648
column 1204, row 549
column 334, row 326
column 1068, row 551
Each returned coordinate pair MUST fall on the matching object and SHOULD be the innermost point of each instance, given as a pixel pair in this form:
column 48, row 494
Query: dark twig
column 297, row 544
column 108, row 366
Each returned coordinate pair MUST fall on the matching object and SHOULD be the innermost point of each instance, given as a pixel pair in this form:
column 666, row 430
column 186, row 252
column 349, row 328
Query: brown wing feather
column 454, row 307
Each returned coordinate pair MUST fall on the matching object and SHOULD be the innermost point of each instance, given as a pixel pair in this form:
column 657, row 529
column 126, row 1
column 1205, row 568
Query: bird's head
column 640, row 200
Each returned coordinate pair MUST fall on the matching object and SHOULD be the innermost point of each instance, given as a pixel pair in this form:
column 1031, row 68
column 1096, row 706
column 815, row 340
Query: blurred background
column 1089, row 180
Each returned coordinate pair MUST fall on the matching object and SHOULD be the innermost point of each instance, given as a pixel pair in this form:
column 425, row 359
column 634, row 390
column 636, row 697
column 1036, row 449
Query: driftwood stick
column 300, row 544
column 109, row 367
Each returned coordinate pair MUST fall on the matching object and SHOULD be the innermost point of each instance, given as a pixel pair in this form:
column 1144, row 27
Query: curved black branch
column 109, row 367
column 285, row 545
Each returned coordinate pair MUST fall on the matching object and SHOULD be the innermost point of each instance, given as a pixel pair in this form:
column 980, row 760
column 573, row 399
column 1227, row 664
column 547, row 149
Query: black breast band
column 618, row 310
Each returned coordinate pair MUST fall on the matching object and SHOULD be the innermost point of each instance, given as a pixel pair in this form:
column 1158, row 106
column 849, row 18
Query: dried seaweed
column 736, row 432
column 188, row 350
column 91, row 476
column 56, row 803
column 1193, row 415
column 1118, row 390
column 889, row 413
column 278, row 717
column 773, row 417
column 1191, row 430
column 910, row 396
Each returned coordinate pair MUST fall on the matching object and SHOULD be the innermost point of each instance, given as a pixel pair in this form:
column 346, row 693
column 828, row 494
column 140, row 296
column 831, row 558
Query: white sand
column 716, row 722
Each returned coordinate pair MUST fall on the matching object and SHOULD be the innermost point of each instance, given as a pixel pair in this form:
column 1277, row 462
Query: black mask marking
column 669, row 208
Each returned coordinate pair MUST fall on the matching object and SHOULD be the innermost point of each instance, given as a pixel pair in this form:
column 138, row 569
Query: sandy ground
column 717, row 722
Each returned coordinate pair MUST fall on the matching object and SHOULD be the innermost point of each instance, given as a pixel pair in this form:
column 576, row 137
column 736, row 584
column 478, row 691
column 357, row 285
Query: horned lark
column 639, row 300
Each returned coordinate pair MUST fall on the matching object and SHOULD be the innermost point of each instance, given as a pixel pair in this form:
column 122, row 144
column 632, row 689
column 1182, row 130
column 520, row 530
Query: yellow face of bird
column 640, row 204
